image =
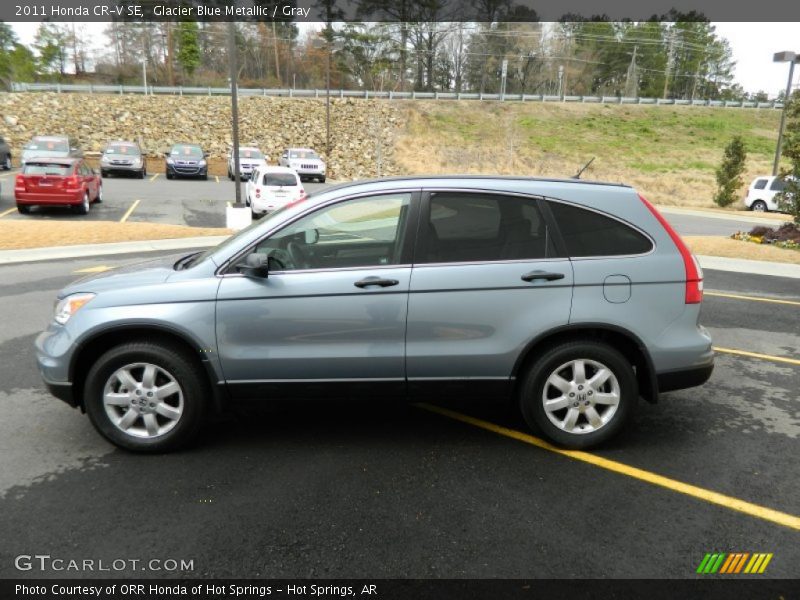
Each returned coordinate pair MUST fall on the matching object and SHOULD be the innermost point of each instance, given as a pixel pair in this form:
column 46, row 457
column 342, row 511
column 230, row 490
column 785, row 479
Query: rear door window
column 589, row 233
column 760, row 184
column 475, row 227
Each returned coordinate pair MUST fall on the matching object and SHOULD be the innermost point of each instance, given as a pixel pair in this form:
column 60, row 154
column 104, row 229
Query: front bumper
column 62, row 391
column 53, row 353
column 187, row 171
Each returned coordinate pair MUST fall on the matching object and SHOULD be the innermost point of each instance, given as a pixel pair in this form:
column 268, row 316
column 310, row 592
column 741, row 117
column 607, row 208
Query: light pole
column 791, row 58
column 234, row 111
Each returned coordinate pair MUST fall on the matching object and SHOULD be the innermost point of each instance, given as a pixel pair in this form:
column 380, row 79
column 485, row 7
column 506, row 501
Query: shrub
column 729, row 173
column 789, row 198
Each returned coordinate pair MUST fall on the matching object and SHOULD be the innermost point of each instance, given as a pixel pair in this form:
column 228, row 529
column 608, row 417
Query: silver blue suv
column 574, row 298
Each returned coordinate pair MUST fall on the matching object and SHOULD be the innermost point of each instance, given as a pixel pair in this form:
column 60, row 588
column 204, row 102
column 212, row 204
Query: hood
column 148, row 272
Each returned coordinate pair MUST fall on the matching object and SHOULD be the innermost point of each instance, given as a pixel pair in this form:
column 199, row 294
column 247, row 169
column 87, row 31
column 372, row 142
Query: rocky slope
column 362, row 131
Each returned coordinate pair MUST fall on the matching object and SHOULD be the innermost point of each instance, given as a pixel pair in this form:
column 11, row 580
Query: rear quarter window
column 760, row 184
column 589, row 233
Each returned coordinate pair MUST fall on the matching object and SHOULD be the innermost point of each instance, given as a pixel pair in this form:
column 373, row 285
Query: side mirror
column 312, row 236
column 255, row 265
column 166, row 154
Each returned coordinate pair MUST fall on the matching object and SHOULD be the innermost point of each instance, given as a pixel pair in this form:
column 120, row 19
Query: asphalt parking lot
column 383, row 490
column 202, row 204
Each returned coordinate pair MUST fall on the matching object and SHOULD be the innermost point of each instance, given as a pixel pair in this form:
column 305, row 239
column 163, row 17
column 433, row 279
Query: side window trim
column 228, row 268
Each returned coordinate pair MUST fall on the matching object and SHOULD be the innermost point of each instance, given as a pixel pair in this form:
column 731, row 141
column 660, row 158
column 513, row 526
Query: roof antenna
column 586, row 166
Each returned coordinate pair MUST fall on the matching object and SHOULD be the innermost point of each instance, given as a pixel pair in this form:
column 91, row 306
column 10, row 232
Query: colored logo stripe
column 722, row 562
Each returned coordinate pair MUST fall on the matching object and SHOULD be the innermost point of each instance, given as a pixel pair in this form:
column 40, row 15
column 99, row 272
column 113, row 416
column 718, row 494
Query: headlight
column 105, row 159
column 202, row 163
column 66, row 307
column 170, row 161
column 137, row 162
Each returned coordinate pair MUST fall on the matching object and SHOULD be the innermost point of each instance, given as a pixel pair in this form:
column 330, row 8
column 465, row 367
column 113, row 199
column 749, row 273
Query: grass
column 33, row 234
column 667, row 153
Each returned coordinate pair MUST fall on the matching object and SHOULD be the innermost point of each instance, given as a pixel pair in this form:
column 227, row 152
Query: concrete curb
column 88, row 250
column 707, row 214
column 755, row 267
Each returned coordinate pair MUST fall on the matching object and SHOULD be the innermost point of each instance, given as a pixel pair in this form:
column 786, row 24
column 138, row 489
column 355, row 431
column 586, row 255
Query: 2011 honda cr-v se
column 575, row 298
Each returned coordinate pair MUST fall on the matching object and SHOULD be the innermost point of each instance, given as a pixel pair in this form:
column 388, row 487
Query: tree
column 188, row 46
column 789, row 198
column 51, row 42
column 729, row 173
column 17, row 62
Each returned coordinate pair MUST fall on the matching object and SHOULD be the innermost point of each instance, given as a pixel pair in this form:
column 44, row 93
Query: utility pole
column 234, row 111
column 670, row 59
column 632, row 78
column 503, row 77
column 792, row 58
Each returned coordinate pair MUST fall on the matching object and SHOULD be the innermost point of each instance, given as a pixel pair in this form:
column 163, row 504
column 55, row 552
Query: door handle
column 534, row 275
column 368, row 281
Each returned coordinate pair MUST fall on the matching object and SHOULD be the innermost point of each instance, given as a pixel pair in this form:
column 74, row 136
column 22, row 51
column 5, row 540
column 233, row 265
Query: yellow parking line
column 130, row 210
column 153, row 178
column 783, row 359
column 97, row 269
column 7, row 212
column 217, row 178
column 752, row 298
column 748, row 508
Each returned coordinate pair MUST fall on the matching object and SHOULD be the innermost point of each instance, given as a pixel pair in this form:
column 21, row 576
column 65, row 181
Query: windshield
column 250, row 153
column 46, row 169
column 188, row 151
column 129, row 149
column 47, row 145
column 280, row 179
column 303, row 154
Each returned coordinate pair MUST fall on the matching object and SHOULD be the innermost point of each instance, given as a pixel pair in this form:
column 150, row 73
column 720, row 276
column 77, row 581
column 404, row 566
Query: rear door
column 487, row 279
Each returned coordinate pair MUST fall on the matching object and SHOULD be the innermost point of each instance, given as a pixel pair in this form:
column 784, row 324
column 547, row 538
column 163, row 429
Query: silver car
column 305, row 162
column 573, row 298
column 123, row 157
column 250, row 158
column 55, row 146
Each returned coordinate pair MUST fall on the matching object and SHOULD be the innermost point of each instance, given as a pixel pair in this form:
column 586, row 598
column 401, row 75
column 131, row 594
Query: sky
column 753, row 45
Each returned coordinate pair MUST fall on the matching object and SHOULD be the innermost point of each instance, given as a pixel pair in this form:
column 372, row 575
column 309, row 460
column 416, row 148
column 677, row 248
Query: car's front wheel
column 146, row 397
column 579, row 394
column 83, row 207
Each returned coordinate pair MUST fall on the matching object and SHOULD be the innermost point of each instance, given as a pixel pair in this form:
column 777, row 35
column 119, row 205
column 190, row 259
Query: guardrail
column 367, row 94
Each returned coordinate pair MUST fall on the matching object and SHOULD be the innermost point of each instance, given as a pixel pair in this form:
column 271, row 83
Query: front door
column 330, row 318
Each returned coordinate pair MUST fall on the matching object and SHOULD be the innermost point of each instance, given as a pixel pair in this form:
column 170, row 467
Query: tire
column 759, row 206
column 558, row 424
column 176, row 417
column 99, row 199
column 23, row 209
column 103, row 173
column 230, row 175
column 169, row 175
column 322, row 179
column 7, row 163
column 83, row 207
column 142, row 174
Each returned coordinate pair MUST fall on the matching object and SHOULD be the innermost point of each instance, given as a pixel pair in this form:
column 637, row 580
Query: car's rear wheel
column 579, row 394
column 23, row 209
column 146, row 397
column 103, row 173
column 83, row 207
column 759, row 206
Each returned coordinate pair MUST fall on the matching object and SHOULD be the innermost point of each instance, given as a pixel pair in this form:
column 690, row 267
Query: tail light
column 72, row 181
column 258, row 192
column 19, row 182
column 694, row 274
column 302, row 195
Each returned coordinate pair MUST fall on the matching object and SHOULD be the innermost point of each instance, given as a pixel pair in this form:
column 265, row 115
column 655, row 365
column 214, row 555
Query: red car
column 57, row 182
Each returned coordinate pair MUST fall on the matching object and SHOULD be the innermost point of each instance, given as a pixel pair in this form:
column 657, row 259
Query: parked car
column 5, row 154
column 123, row 157
column 273, row 188
column 305, row 161
column 574, row 298
column 186, row 160
column 761, row 195
column 250, row 157
column 55, row 146
column 57, row 182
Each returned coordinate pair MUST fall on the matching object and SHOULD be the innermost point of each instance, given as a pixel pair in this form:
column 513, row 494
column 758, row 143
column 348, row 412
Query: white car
column 272, row 188
column 305, row 161
column 250, row 157
column 761, row 193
